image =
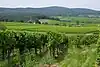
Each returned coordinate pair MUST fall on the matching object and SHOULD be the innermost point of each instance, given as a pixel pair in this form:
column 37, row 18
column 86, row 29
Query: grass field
column 46, row 28
column 81, row 19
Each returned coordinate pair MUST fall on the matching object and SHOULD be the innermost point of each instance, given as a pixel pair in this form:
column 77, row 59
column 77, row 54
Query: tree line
column 25, row 18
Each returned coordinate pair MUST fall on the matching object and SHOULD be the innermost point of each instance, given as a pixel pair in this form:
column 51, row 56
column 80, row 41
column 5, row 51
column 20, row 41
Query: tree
column 37, row 21
column 77, row 22
column 21, row 21
column 2, row 27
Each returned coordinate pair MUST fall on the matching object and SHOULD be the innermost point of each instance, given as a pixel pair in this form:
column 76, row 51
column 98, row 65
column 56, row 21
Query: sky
column 91, row 4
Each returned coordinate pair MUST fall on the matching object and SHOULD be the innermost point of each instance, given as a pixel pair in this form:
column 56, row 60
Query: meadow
column 53, row 28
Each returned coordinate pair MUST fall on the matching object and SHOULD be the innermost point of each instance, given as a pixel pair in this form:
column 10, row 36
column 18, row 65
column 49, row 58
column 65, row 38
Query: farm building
column 35, row 21
column 43, row 21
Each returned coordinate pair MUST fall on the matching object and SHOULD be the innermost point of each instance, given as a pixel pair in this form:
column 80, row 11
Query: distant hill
column 24, row 13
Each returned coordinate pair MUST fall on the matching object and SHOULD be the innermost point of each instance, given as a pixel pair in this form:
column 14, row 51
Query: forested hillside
column 19, row 14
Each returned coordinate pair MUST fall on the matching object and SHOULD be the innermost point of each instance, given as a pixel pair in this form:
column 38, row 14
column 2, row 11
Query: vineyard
column 24, row 48
column 98, row 52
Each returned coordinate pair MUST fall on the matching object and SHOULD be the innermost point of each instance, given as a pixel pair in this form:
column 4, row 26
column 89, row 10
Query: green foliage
column 84, row 57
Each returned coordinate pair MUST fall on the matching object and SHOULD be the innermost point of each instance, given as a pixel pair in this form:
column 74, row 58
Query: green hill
column 25, row 13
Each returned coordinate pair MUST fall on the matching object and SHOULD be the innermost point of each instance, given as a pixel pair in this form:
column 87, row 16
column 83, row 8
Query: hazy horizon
column 90, row 4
